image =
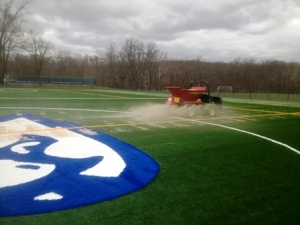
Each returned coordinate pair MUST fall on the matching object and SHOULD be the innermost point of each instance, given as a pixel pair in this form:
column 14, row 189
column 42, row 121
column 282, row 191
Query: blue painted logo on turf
column 47, row 166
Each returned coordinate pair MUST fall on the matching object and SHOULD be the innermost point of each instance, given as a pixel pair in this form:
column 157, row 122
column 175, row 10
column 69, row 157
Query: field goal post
column 223, row 89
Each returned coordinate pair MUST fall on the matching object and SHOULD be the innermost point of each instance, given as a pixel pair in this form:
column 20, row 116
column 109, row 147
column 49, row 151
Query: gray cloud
column 215, row 30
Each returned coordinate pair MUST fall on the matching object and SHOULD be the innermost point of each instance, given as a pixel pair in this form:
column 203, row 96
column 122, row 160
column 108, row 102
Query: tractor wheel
column 212, row 111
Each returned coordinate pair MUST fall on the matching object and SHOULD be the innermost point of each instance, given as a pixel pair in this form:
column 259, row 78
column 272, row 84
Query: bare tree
column 21, row 66
column 96, row 69
column 153, row 66
column 293, row 77
column 78, row 65
column 62, row 59
column 132, row 56
column 10, row 32
column 40, row 52
column 111, row 60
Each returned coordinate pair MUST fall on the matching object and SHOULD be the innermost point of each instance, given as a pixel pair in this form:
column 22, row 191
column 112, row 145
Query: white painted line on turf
column 242, row 131
column 264, row 102
column 66, row 109
column 184, row 119
column 19, row 90
column 77, row 98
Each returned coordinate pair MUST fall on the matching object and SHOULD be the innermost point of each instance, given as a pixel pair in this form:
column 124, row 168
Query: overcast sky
column 213, row 30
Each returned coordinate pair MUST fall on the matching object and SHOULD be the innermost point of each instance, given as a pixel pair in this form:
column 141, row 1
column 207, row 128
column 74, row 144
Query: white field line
column 157, row 125
column 165, row 94
column 78, row 98
column 263, row 102
column 242, row 131
column 238, row 120
column 197, row 121
column 66, row 109
column 18, row 90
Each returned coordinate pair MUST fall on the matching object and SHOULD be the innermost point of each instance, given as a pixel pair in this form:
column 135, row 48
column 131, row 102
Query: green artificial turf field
column 241, row 167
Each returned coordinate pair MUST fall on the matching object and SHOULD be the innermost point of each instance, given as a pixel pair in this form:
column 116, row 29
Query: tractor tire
column 212, row 111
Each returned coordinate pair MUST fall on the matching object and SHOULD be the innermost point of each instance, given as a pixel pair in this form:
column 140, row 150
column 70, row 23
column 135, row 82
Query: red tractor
column 197, row 96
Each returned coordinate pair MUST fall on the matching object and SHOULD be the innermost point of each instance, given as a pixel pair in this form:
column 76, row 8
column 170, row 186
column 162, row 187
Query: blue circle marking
column 48, row 166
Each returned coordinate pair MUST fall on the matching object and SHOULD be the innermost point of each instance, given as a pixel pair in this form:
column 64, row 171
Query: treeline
column 134, row 65
column 138, row 66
